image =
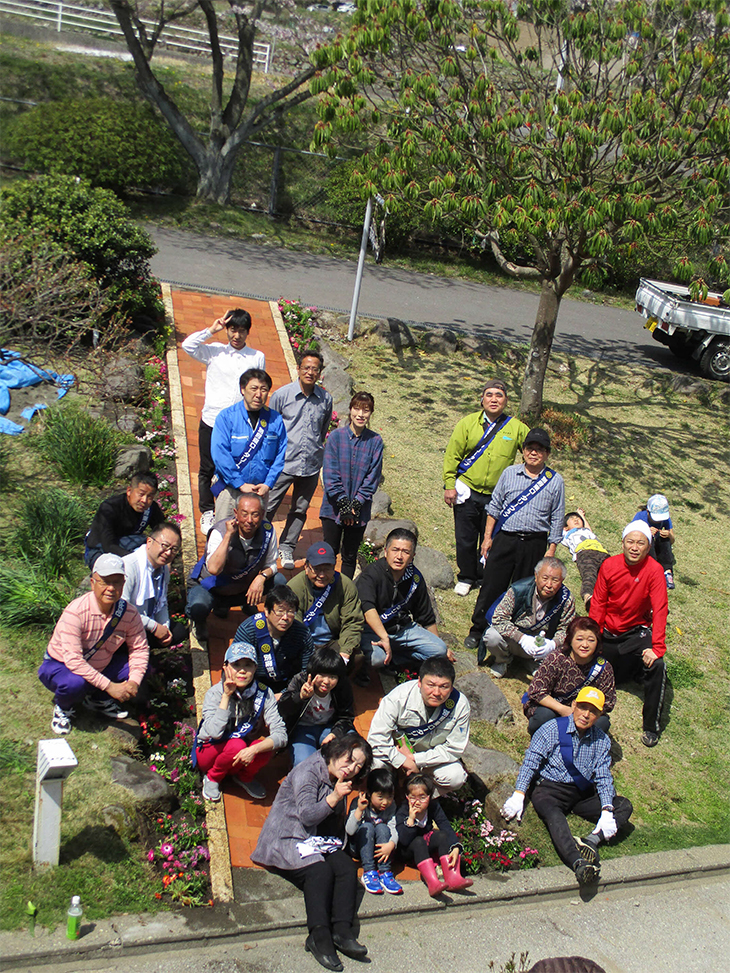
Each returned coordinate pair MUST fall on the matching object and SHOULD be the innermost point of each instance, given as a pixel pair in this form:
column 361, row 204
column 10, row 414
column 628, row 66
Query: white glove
column 527, row 642
column 514, row 807
column 606, row 825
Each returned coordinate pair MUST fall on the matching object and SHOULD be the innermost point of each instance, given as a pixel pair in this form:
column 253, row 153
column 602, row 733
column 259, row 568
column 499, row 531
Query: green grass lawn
column 642, row 439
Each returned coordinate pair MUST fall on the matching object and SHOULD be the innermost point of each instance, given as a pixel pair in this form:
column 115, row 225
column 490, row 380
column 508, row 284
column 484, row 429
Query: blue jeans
column 201, row 601
column 410, row 644
column 367, row 836
column 306, row 739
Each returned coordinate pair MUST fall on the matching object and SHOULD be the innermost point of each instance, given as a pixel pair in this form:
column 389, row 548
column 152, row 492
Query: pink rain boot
column 427, row 868
column 453, row 876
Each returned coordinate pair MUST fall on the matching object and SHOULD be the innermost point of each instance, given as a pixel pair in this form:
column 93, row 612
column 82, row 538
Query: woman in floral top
column 567, row 670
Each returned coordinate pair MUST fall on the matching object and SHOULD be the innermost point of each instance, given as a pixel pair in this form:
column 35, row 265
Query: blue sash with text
column 414, row 733
column 566, row 752
column 519, row 502
column 484, row 443
column 411, row 574
column 316, row 606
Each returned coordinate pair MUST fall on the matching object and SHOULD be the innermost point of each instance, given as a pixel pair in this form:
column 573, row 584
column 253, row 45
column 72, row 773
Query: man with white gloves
column 531, row 606
column 572, row 760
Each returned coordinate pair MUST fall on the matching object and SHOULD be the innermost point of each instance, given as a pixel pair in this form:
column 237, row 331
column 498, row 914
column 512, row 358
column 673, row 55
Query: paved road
column 268, row 273
column 680, row 927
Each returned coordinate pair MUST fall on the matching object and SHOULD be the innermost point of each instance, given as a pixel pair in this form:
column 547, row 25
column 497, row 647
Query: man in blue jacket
column 248, row 445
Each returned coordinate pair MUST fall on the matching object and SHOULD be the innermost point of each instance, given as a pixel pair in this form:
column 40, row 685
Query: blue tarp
column 17, row 373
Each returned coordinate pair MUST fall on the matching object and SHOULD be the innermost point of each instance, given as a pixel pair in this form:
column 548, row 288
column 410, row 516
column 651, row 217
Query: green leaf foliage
column 95, row 227
column 561, row 137
column 115, row 144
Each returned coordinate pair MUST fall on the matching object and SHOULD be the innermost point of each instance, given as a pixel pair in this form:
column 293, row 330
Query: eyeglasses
column 164, row 548
column 105, row 583
column 283, row 612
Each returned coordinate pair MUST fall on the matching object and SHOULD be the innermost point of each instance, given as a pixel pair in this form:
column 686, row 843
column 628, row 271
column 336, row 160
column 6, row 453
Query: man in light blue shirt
column 306, row 409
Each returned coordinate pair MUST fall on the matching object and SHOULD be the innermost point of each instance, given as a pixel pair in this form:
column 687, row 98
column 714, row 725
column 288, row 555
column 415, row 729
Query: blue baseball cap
column 321, row 553
column 240, row 650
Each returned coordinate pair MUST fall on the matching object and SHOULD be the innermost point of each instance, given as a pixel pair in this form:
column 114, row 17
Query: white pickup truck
column 690, row 329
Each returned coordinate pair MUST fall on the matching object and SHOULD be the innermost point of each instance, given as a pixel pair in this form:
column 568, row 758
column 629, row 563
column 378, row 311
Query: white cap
column 641, row 526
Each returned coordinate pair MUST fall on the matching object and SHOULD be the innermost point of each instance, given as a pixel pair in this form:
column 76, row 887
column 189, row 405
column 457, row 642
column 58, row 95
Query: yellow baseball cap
column 589, row 694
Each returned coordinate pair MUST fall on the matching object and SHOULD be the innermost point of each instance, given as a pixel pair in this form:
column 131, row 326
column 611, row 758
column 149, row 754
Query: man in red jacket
column 630, row 604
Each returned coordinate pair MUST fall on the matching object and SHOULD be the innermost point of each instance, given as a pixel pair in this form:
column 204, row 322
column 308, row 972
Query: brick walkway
column 193, row 312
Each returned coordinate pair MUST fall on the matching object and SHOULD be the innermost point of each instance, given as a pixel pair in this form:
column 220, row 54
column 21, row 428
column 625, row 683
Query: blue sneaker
column 371, row 881
column 389, row 883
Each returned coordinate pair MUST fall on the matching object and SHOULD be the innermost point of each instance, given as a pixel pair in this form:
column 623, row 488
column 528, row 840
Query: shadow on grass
column 103, row 843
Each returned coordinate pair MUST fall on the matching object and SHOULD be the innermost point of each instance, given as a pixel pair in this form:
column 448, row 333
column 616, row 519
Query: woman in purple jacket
column 353, row 462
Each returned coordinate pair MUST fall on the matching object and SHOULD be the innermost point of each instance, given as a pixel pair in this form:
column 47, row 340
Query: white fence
column 72, row 17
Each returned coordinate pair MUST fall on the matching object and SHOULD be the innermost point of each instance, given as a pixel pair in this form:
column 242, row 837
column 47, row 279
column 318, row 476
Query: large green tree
column 234, row 115
column 556, row 136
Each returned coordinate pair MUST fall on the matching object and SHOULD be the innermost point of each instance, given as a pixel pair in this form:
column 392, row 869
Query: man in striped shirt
column 571, row 758
column 524, row 523
column 98, row 652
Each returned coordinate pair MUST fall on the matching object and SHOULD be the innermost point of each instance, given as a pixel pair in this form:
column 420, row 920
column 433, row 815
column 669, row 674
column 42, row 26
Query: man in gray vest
column 531, row 606
column 238, row 567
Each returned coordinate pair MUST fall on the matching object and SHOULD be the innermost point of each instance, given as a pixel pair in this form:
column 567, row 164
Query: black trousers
column 543, row 714
column 470, row 519
column 349, row 537
column 179, row 633
column 553, row 801
column 624, row 652
column 661, row 551
column 512, row 557
column 419, row 849
column 206, row 500
column 329, row 888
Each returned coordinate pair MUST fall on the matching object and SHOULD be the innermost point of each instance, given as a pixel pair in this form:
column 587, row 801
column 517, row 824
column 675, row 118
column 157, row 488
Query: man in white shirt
column 146, row 580
column 225, row 363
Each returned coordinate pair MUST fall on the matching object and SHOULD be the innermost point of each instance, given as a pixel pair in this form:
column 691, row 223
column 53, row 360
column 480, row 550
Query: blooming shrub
column 183, row 858
column 485, row 847
column 300, row 322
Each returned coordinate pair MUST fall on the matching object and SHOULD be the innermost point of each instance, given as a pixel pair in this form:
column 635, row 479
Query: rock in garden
column 486, row 699
column 127, row 421
column 336, row 380
column 123, row 380
column 147, row 786
column 381, row 504
column 126, row 731
column 131, row 460
column 397, row 333
column 489, row 766
column 443, row 342
column 435, row 567
column 379, row 528
column 116, row 817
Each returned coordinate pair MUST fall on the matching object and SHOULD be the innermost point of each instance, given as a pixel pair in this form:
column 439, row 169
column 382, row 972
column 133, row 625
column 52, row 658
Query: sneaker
column 462, row 588
column 61, row 721
column 207, row 522
column 471, row 642
column 287, row 560
column 498, row 670
column 585, row 872
column 254, row 788
column 211, row 789
column 649, row 738
column 371, row 881
column 106, row 707
column 587, row 849
column 389, row 883
column 669, row 578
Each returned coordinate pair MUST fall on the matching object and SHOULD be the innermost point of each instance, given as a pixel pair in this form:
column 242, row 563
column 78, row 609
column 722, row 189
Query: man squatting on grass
column 98, row 652
column 571, row 759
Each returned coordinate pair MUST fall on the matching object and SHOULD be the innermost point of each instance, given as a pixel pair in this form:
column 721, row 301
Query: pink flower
column 166, row 849
column 151, row 855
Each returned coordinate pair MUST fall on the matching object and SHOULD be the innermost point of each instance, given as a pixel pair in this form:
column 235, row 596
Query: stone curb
column 142, row 934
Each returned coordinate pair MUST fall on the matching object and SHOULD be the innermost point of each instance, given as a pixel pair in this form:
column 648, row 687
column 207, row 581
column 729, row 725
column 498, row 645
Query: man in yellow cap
column 571, row 758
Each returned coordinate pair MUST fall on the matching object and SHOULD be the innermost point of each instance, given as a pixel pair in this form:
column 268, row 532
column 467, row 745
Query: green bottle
column 540, row 639
column 73, row 922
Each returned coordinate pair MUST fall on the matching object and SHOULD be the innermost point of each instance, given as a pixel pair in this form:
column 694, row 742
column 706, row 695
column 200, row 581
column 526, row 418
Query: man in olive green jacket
column 481, row 447
column 329, row 604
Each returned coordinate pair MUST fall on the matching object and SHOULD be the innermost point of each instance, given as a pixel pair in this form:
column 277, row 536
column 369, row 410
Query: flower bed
column 484, row 846
column 300, row 322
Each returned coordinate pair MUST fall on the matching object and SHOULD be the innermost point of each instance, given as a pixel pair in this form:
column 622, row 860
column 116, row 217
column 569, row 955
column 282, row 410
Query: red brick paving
column 193, row 312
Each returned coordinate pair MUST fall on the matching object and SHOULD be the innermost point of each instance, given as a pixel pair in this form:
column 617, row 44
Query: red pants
column 216, row 760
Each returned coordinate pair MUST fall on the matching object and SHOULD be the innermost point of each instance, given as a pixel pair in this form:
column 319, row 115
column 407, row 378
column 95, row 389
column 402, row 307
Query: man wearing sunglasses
column 146, row 580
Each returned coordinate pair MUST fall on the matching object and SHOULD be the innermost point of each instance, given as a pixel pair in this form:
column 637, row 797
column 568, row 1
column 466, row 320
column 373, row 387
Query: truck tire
column 715, row 360
column 681, row 345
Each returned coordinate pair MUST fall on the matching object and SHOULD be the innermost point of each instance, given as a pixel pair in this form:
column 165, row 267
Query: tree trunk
column 539, row 353
column 215, row 175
